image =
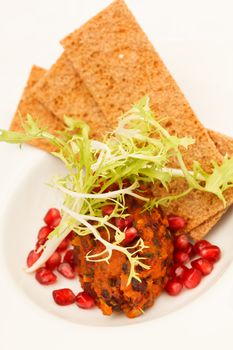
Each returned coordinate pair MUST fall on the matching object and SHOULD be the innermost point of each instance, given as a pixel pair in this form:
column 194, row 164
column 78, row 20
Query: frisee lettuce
column 139, row 149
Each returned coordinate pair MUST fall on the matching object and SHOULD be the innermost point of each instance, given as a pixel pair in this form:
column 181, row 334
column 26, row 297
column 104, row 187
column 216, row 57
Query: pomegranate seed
column 181, row 242
column 63, row 245
column 198, row 246
column 113, row 187
column 126, row 183
column 203, row 265
column 52, row 218
column 40, row 243
column 120, row 223
column 32, row 257
column 107, row 209
column 63, row 296
column 71, row 235
column 130, row 234
column 192, row 278
column 181, row 257
column 143, row 187
column 211, row 253
column 124, row 223
column 128, row 221
column 99, row 187
column 69, row 257
column 84, row 300
column 189, row 250
column 45, row 276
column 173, row 287
column 66, row 270
column 176, row 223
column 178, row 272
column 53, row 261
column 44, row 232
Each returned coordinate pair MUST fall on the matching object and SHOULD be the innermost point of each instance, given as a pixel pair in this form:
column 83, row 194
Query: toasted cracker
column 225, row 146
column 29, row 105
column 62, row 91
column 47, row 87
column 223, row 143
column 45, row 118
column 202, row 230
column 118, row 65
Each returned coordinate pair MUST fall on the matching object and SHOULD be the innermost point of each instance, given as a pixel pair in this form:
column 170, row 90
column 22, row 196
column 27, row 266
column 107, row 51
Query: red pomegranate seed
column 178, row 271
column 45, row 276
column 107, row 209
column 40, row 243
column 53, row 261
column 198, row 246
column 128, row 221
column 212, row 253
column 143, row 187
column 84, row 300
column 181, row 242
column 173, row 287
column 126, row 183
column 203, row 265
column 69, row 257
column 52, row 218
column 192, row 278
column 99, row 187
column 189, row 250
column 120, row 223
column 176, row 223
column 124, row 223
column 63, row 296
column 32, row 257
column 63, row 245
column 113, row 187
column 44, row 232
column 181, row 257
column 66, row 270
column 71, row 235
column 130, row 234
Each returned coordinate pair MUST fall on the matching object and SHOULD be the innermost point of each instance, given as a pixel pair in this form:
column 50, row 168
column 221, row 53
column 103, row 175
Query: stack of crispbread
column 109, row 64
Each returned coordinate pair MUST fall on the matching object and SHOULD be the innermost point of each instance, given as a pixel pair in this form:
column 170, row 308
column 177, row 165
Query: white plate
column 30, row 200
column 29, row 317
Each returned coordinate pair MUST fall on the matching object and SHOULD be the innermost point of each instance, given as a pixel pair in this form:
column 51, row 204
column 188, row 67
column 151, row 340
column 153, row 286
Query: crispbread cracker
column 62, row 91
column 29, row 105
column 45, row 118
column 118, row 65
column 223, row 143
column 47, row 86
column 201, row 231
column 225, row 146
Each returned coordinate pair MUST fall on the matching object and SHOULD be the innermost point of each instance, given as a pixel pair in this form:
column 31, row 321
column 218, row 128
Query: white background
column 29, row 34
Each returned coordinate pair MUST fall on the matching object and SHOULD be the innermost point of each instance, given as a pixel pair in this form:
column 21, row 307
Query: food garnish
column 137, row 151
column 84, row 300
column 64, row 296
column 203, row 265
column 182, row 274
